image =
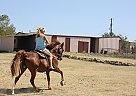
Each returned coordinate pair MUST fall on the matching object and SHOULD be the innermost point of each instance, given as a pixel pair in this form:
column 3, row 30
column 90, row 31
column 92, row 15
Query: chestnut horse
column 36, row 63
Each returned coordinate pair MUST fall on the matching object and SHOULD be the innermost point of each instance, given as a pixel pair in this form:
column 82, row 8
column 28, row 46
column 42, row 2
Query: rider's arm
column 45, row 38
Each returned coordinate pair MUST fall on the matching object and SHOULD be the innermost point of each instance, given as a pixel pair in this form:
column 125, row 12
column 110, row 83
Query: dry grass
column 81, row 79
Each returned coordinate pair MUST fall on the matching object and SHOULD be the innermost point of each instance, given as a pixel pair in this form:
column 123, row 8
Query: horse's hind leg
column 59, row 71
column 13, row 87
column 16, row 78
column 33, row 75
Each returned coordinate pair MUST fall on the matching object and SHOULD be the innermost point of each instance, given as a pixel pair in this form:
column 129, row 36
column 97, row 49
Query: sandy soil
column 81, row 79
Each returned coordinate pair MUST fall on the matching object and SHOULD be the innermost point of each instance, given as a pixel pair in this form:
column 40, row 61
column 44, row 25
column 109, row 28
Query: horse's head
column 58, row 50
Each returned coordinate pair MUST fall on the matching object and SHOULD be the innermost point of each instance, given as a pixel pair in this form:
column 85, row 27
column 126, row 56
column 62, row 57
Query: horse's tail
column 16, row 63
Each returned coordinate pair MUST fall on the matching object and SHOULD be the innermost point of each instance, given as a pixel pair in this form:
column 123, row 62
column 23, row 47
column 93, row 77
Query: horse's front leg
column 62, row 77
column 48, row 79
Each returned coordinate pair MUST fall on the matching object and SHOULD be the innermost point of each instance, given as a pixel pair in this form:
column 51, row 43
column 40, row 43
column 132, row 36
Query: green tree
column 110, row 34
column 5, row 27
column 124, row 44
column 134, row 47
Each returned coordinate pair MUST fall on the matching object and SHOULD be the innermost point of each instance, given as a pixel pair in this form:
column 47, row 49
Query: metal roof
column 25, row 34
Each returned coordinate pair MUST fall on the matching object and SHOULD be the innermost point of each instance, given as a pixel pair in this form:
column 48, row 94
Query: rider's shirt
column 40, row 44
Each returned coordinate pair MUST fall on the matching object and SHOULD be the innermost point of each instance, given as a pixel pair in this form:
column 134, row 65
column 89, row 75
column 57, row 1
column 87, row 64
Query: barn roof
column 73, row 36
column 25, row 34
column 34, row 33
column 82, row 36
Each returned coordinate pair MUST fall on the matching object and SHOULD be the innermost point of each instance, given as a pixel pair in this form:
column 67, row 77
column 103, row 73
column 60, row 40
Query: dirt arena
column 81, row 79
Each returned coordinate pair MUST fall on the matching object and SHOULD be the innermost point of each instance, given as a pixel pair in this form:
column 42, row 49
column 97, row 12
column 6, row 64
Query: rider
column 41, row 42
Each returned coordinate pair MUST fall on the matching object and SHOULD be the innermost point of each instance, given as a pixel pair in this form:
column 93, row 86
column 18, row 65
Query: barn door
column 67, row 45
column 82, row 47
column 85, row 47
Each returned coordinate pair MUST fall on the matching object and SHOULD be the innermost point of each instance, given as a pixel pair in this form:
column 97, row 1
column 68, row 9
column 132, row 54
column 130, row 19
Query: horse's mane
column 52, row 45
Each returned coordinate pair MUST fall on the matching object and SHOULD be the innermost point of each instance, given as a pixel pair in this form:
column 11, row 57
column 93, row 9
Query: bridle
column 58, row 50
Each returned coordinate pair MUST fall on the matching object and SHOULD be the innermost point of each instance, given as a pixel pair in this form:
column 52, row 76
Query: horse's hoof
column 37, row 90
column 12, row 93
column 61, row 83
column 49, row 88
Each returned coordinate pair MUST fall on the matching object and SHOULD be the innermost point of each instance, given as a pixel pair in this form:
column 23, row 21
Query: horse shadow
column 19, row 91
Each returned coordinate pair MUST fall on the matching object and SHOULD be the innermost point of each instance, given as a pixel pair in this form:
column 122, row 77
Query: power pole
column 110, row 26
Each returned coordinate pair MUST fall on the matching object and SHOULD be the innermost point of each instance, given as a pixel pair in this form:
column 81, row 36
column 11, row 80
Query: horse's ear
column 57, row 42
column 54, row 43
column 62, row 44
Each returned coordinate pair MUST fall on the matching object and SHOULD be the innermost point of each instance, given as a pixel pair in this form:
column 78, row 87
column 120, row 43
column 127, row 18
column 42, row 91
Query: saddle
column 41, row 54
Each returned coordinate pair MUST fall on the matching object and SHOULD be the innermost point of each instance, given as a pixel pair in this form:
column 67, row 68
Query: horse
column 36, row 63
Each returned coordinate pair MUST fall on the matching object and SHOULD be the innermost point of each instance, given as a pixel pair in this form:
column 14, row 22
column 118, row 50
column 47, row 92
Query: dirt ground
column 81, row 79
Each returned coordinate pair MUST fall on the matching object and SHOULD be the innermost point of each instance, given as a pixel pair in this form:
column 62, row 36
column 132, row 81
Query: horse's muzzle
column 59, row 57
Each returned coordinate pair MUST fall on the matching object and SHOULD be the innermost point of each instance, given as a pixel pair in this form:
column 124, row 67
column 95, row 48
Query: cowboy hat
column 41, row 29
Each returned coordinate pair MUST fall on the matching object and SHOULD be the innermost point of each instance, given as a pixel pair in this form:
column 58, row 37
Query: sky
column 72, row 17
